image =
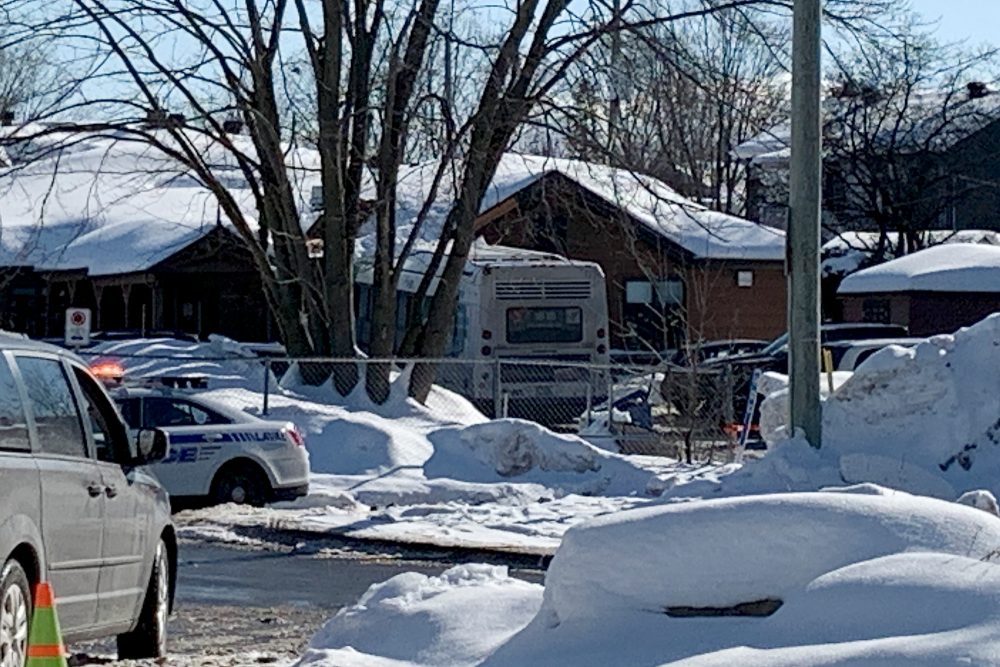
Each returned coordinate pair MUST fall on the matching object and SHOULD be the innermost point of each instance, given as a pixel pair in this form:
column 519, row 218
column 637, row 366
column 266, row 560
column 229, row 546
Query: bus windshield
column 544, row 325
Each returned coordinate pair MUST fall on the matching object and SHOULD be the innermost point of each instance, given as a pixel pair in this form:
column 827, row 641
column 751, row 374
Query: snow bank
column 413, row 619
column 514, row 449
column 749, row 548
column 868, row 577
column 924, row 419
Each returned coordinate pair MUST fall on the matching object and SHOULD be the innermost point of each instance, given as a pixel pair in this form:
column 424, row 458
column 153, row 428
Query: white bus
column 535, row 317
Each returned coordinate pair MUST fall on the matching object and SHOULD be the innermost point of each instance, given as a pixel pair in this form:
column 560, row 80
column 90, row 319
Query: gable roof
column 704, row 233
column 957, row 267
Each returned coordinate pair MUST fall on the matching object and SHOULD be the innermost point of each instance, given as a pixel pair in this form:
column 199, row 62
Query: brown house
column 163, row 294
column 676, row 271
column 937, row 290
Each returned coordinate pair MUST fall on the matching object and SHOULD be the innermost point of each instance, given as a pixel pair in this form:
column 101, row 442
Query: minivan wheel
column 15, row 609
column 149, row 639
column 241, row 484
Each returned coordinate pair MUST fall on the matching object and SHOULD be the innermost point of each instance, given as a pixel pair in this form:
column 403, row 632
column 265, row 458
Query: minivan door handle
column 95, row 490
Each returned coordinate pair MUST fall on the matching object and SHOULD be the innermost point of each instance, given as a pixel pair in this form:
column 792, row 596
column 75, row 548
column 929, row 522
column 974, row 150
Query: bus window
column 460, row 331
column 544, row 325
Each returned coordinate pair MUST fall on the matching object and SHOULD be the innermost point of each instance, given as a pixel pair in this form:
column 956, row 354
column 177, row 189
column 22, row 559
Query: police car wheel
column 15, row 609
column 240, row 484
column 149, row 639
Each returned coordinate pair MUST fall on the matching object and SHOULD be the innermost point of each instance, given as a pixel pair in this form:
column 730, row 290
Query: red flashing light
column 487, row 334
column 486, row 351
column 108, row 370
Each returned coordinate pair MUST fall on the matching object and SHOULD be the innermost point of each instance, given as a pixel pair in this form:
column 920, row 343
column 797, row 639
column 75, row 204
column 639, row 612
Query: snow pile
column 865, row 577
column 957, row 267
column 924, row 419
column 508, row 449
column 751, row 548
column 439, row 473
column 419, row 620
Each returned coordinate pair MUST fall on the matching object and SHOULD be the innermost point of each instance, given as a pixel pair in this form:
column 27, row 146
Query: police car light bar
column 108, row 371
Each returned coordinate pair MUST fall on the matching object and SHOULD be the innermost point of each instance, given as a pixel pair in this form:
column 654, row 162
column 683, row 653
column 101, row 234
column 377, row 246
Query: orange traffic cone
column 45, row 647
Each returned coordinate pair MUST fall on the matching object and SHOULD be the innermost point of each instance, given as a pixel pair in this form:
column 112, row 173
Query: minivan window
column 13, row 425
column 110, row 439
column 57, row 418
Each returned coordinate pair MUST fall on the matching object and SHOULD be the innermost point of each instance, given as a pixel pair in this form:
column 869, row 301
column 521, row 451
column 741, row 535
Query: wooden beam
column 508, row 205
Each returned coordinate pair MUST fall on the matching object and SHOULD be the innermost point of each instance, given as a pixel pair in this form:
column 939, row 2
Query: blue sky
column 974, row 22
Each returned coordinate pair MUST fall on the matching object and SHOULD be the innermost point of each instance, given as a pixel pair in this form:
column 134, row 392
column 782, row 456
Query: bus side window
column 460, row 331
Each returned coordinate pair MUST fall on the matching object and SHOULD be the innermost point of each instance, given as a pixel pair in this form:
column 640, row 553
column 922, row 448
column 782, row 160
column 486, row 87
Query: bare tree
column 699, row 88
column 340, row 78
column 900, row 154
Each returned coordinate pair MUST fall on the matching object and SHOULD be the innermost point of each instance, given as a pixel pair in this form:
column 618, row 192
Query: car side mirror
column 151, row 444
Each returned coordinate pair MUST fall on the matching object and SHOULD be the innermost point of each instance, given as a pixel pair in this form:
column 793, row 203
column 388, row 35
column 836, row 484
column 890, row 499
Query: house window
column 653, row 314
column 744, row 278
column 876, row 311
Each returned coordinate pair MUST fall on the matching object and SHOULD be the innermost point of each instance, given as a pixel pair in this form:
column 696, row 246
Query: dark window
column 544, row 325
column 164, row 412
column 56, row 415
column 876, row 311
column 132, row 412
column 13, row 425
column 110, row 439
column 652, row 314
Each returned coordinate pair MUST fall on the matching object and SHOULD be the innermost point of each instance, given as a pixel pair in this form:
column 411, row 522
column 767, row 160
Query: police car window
column 165, row 412
column 13, row 425
column 57, row 418
column 110, row 440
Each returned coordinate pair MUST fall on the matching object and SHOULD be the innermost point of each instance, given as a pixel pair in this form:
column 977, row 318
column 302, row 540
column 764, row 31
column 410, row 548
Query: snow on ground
column 439, row 473
column 865, row 577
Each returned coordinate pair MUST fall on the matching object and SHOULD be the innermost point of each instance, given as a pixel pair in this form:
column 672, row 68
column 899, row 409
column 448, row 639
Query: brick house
column 675, row 270
column 933, row 291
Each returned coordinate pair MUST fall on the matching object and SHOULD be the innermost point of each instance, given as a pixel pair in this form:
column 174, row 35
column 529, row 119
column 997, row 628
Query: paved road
column 239, row 607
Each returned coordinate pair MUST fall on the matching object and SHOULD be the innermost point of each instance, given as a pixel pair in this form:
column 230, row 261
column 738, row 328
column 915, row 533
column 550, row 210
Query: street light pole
column 805, row 181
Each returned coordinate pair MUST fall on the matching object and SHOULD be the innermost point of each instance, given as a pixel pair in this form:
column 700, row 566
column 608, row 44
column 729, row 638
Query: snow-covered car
column 218, row 452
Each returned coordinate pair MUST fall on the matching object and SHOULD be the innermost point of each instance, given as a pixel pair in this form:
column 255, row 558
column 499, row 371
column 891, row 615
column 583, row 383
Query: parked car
column 848, row 355
column 717, row 350
column 218, row 453
column 774, row 357
column 79, row 508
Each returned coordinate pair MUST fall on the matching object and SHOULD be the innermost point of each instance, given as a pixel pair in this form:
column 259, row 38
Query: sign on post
column 77, row 327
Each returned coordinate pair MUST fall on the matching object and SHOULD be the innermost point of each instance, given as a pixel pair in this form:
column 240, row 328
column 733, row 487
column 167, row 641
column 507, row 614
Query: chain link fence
column 668, row 410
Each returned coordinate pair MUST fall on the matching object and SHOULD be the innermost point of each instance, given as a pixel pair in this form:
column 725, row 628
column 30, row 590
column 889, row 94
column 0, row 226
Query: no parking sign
column 77, row 327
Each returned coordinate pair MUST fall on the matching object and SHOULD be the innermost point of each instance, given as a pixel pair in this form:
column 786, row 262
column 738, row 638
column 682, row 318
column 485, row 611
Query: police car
column 218, row 452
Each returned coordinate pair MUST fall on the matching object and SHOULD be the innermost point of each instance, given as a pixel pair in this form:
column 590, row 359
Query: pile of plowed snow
column 862, row 576
column 924, row 419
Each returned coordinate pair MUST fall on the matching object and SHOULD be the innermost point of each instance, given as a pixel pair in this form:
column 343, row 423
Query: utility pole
column 805, row 185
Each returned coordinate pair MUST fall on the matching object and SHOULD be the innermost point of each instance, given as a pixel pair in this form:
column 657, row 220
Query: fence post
column 267, row 385
column 611, row 402
column 497, row 389
column 590, row 395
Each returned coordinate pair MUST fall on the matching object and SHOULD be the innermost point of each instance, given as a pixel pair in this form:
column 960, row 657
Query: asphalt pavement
column 238, row 606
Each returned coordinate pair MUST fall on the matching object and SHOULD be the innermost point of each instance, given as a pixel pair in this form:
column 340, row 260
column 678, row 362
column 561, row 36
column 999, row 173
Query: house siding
column 926, row 313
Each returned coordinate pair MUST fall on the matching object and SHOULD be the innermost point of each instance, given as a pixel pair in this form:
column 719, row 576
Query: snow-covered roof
column 958, row 267
column 921, row 120
column 111, row 206
column 704, row 233
column 849, row 251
